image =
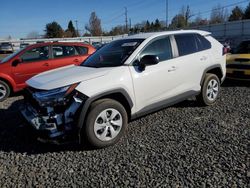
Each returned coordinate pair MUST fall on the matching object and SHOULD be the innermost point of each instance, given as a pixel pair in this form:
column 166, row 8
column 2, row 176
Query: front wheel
column 105, row 124
column 209, row 90
column 4, row 91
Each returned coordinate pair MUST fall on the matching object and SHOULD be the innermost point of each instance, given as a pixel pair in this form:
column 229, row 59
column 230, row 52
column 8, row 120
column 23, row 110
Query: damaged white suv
column 124, row 80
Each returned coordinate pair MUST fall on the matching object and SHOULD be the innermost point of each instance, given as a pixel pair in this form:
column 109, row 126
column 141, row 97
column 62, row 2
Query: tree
column 147, row 26
column 247, row 12
column 71, row 31
column 33, row 35
column 198, row 21
column 218, row 15
column 94, row 26
column 237, row 14
column 186, row 13
column 178, row 22
column 157, row 25
column 53, row 30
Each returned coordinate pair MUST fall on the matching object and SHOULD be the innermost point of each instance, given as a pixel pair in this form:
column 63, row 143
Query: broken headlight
column 57, row 95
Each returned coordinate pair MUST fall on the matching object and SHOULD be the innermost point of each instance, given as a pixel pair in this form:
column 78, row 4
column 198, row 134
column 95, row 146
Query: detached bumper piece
column 53, row 124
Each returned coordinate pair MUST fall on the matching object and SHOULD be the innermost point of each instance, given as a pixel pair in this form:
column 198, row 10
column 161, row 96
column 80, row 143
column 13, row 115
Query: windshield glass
column 10, row 56
column 113, row 54
column 243, row 48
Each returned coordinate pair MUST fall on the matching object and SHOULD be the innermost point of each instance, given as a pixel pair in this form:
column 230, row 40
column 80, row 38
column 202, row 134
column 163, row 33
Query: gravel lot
column 181, row 146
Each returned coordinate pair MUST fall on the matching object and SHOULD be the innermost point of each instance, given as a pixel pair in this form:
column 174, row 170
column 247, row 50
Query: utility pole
column 126, row 19
column 77, row 31
column 130, row 26
column 166, row 14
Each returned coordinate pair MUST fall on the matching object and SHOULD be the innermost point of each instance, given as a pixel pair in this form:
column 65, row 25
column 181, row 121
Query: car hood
column 65, row 76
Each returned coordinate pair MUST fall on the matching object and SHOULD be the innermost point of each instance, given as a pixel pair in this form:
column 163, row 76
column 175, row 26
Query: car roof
column 156, row 34
column 61, row 43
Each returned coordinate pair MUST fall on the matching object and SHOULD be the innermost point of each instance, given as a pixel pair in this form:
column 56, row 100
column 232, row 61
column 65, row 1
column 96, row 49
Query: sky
column 20, row 17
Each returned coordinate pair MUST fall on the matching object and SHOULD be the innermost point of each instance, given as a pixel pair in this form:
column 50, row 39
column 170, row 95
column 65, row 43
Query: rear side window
column 160, row 47
column 81, row 50
column 186, row 44
column 63, row 51
column 203, row 43
column 36, row 54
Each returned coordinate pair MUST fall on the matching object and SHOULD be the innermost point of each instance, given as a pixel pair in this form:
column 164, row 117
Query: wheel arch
column 8, row 81
column 119, row 95
column 215, row 69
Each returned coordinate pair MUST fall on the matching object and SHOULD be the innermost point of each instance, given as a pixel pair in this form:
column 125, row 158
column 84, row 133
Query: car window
column 160, row 47
column 36, row 54
column 203, row 44
column 186, row 44
column 81, row 50
column 243, row 48
column 63, row 51
column 113, row 54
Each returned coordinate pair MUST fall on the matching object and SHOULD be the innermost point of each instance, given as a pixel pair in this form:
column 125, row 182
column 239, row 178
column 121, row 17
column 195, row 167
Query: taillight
column 225, row 50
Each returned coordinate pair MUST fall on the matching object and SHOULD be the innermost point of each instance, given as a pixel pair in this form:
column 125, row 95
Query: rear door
column 64, row 55
column 34, row 61
column 192, row 58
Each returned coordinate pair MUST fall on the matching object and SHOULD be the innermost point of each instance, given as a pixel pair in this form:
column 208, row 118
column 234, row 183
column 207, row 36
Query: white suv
column 124, row 80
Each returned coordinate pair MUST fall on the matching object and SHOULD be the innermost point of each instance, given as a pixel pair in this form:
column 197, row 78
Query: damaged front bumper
column 53, row 121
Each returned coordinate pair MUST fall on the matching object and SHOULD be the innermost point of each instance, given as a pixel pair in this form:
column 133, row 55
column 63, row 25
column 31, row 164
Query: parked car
column 24, row 45
column 238, row 63
column 124, row 80
column 25, row 63
column 6, row 47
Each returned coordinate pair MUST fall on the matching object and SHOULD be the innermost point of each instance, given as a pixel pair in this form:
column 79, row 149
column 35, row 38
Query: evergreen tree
column 237, row 14
column 53, row 30
column 247, row 12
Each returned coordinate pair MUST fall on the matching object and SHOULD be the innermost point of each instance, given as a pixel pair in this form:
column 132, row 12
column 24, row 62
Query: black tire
column 4, row 91
column 97, row 108
column 203, row 98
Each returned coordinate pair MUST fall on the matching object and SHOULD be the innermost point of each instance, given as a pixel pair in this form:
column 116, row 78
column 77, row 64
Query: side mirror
column 148, row 60
column 16, row 62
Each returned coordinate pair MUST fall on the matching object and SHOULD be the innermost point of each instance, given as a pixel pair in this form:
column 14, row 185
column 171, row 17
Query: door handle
column 76, row 60
column 46, row 64
column 172, row 69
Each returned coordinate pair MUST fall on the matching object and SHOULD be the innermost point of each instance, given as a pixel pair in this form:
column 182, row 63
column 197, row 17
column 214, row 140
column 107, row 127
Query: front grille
column 242, row 60
column 238, row 66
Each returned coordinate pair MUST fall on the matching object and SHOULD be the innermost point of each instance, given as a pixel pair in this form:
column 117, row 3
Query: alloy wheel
column 108, row 124
column 212, row 90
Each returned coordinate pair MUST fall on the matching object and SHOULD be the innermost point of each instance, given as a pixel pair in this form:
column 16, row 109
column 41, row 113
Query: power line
column 208, row 11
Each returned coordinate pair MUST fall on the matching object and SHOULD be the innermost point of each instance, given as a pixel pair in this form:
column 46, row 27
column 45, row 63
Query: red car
column 34, row 59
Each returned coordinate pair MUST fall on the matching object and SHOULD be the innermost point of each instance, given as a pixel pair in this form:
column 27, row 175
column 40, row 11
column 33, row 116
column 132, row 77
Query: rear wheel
column 209, row 91
column 4, row 91
column 105, row 124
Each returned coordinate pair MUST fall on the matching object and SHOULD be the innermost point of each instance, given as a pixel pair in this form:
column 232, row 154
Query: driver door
column 34, row 61
column 157, row 82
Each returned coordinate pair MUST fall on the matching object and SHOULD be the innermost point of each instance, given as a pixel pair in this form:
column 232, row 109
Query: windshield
column 243, row 48
column 10, row 56
column 5, row 44
column 113, row 54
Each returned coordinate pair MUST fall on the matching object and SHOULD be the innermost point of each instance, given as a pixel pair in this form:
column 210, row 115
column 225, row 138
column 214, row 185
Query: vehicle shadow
column 17, row 136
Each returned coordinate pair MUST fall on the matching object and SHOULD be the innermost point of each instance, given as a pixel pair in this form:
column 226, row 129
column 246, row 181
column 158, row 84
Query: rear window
column 186, row 44
column 81, row 50
column 63, row 51
column 243, row 48
column 203, row 43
